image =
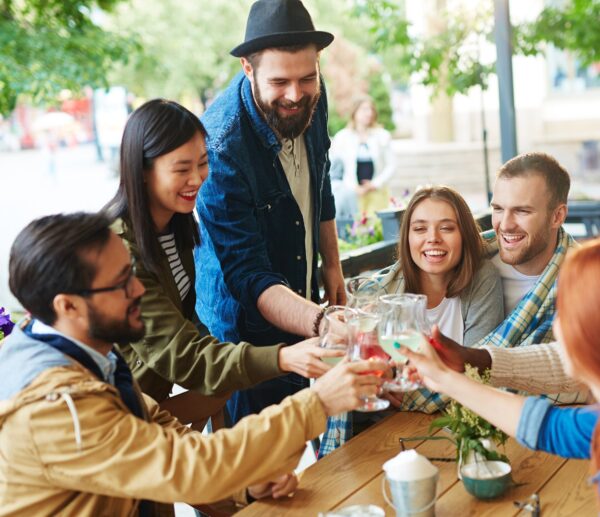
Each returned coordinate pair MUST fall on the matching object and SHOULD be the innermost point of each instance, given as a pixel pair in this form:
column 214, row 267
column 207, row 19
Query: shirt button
column 299, row 291
column 297, row 223
column 298, row 257
column 138, row 363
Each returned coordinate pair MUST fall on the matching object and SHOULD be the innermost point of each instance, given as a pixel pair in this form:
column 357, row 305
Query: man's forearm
column 286, row 310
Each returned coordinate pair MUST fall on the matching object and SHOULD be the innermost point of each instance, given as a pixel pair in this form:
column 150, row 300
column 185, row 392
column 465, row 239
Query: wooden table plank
column 568, row 492
column 353, row 475
column 337, row 476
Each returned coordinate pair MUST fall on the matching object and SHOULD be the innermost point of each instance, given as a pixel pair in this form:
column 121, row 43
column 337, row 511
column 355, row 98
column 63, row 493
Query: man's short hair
column 46, row 259
column 555, row 175
column 255, row 57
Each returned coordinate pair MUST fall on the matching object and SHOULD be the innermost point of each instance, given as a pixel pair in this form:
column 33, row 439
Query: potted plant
column 475, row 438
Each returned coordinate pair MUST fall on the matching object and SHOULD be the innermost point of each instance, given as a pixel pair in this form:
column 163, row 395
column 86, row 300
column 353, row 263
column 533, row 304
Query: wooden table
column 352, row 475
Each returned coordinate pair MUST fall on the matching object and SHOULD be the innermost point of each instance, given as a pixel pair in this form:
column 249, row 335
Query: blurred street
column 30, row 190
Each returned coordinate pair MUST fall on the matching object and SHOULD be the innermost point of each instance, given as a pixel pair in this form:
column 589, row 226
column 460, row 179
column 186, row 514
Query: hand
column 456, row 356
column 280, row 487
column 430, row 369
column 343, row 388
column 304, row 358
column 333, row 282
column 395, row 398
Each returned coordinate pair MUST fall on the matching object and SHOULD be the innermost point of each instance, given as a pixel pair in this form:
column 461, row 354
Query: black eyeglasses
column 126, row 285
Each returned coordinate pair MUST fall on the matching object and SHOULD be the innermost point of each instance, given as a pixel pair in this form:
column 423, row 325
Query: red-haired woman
column 534, row 421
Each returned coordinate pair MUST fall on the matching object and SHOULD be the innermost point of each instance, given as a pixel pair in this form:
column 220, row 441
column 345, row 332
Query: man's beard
column 291, row 126
column 112, row 330
column 537, row 244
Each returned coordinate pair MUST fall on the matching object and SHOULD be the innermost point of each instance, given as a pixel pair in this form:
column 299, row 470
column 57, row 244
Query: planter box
column 391, row 219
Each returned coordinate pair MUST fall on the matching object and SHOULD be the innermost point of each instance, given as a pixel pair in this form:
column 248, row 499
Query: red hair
column 578, row 304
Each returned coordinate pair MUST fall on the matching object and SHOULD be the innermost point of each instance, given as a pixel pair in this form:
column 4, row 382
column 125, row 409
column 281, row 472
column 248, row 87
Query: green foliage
column 451, row 59
column 380, row 93
column 468, row 428
column 569, row 26
column 48, row 45
column 186, row 46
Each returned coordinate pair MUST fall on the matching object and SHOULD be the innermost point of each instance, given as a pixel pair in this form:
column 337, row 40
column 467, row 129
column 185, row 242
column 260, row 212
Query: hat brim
column 321, row 38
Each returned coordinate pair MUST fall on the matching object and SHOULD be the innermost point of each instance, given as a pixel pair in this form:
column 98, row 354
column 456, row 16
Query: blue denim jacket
column 251, row 226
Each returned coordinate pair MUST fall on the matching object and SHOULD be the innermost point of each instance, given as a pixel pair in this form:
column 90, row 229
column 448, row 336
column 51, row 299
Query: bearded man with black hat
column 267, row 210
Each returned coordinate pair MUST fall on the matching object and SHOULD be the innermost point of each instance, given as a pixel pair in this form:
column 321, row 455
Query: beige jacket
column 69, row 446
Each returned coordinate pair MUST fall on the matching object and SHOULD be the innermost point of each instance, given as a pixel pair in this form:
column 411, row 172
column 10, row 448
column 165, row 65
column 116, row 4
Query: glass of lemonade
column 335, row 331
column 402, row 322
column 364, row 344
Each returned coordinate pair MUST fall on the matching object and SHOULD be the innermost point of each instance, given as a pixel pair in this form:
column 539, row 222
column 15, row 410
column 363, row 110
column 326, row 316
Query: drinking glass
column 365, row 345
column 335, row 331
column 402, row 322
column 364, row 293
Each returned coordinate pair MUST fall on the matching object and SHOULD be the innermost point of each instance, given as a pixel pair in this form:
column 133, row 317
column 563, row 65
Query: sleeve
column 536, row 369
column 388, row 167
column 485, row 309
column 228, row 213
column 124, row 456
column 327, row 199
column 566, row 432
column 174, row 349
column 163, row 418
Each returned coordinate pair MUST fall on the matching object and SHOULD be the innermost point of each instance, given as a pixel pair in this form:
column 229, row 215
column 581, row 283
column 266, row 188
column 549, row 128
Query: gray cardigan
column 482, row 303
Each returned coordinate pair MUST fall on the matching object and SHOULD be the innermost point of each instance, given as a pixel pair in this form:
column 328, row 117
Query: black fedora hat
column 277, row 23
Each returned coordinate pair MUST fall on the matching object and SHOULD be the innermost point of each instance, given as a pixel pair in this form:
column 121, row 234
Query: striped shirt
column 181, row 277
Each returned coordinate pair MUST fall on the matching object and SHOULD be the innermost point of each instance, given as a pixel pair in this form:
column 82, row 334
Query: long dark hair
column 472, row 242
column 156, row 128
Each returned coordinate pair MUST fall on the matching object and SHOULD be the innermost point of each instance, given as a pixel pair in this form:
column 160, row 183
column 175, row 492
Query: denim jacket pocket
column 268, row 202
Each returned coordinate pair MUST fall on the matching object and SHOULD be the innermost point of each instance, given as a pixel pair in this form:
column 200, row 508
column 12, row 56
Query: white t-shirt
column 515, row 284
column 448, row 317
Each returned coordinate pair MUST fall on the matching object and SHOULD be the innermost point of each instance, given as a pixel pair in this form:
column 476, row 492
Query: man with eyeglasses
column 77, row 437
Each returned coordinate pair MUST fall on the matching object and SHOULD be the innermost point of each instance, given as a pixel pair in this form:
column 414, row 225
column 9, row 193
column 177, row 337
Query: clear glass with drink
column 364, row 344
column 402, row 322
column 364, row 292
column 334, row 335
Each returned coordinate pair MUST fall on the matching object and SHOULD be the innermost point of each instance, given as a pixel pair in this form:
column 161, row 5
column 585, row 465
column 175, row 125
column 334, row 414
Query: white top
column 346, row 146
column 294, row 161
column 515, row 284
column 180, row 275
column 448, row 317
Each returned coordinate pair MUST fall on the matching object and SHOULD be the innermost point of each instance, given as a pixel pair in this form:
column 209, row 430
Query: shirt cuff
column 501, row 371
column 532, row 419
column 262, row 362
column 315, row 412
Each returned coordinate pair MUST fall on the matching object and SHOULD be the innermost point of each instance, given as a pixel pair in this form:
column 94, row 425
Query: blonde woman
column 364, row 147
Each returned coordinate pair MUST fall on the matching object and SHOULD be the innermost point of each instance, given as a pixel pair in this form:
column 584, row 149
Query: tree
column 185, row 44
column 451, row 61
column 51, row 45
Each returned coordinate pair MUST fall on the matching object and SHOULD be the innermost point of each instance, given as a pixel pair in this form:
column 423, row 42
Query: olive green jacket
column 177, row 347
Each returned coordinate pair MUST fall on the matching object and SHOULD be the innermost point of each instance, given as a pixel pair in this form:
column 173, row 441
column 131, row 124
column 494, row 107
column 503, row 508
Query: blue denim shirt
column 251, row 226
